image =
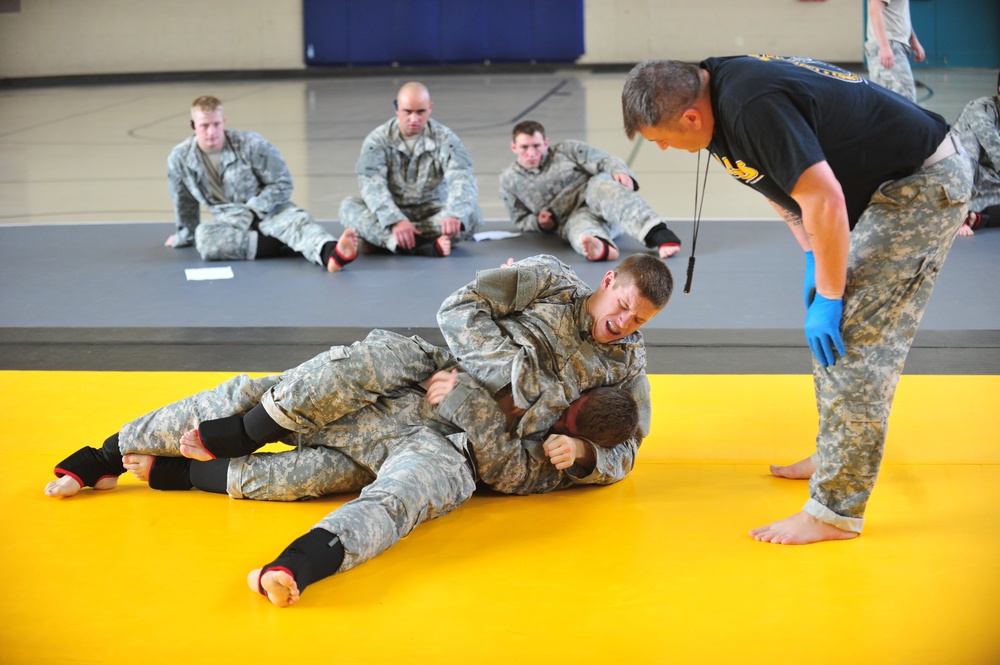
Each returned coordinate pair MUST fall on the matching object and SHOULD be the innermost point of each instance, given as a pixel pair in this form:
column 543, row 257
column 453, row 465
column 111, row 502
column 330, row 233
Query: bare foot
column 279, row 586
column 138, row 465
column 593, row 249
column 192, row 447
column 800, row 529
column 443, row 245
column 801, row 470
column 67, row 486
column 666, row 251
column 347, row 246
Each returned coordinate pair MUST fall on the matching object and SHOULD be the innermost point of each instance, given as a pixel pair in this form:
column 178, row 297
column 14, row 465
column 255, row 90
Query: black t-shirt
column 777, row 116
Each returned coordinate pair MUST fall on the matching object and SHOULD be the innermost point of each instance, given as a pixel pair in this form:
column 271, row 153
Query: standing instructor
column 873, row 187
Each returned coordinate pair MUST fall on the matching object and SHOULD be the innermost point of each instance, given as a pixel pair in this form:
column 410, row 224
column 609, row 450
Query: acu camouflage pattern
column 899, row 79
column 527, row 326
column 979, row 127
column 257, row 185
column 575, row 181
column 897, row 250
column 408, row 459
column 433, row 182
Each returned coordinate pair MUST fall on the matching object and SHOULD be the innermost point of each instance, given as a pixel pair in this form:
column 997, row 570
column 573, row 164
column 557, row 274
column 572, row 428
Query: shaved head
column 413, row 108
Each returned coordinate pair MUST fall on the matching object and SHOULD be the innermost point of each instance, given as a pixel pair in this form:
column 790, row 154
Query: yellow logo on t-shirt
column 817, row 66
column 741, row 170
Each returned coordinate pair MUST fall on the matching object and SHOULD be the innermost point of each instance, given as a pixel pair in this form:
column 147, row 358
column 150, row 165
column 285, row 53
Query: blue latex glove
column 809, row 280
column 823, row 329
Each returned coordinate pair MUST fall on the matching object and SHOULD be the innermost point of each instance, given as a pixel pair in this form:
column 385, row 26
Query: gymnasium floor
column 98, row 325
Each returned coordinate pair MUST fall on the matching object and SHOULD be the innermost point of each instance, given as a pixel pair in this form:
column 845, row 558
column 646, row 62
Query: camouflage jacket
column 527, row 326
column 559, row 183
column 393, row 180
column 518, row 465
column 253, row 175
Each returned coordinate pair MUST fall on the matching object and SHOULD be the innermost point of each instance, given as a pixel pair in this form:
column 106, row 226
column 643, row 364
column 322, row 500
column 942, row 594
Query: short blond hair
column 207, row 104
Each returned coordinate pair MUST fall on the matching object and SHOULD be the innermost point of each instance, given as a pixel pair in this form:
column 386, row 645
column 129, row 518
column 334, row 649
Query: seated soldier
column 244, row 183
column 418, row 191
column 583, row 194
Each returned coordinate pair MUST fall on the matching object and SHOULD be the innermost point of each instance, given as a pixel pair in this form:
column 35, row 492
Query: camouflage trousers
column 306, row 398
column 899, row 79
column 609, row 210
column 395, row 450
column 232, row 237
column 897, row 249
column 354, row 214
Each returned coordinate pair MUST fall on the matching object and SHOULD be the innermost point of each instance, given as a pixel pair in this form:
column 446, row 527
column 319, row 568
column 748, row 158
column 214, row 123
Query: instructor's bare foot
column 801, row 470
column 138, row 465
column 192, row 447
column 279, row 586
column 593, row 249
column 800, row 529
column 67, row 486
column 347, row 246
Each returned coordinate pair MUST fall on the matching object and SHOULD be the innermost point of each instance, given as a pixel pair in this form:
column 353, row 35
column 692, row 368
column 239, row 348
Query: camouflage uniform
column 979, row 127
column 901, row 228
column 575, row 181
column 433, row 182
column 546, row 352
column 395, row 447
column 410, row 464
column 409, row 459
column 898, row 29
column 897, row 249
column 257, row 187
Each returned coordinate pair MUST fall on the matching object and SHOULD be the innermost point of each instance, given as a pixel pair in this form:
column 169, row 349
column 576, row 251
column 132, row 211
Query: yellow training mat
column 656, row 569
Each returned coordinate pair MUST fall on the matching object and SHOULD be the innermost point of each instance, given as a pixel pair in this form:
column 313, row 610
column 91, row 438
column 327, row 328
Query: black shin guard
column 261, row 428
column 661, row 235
column 271, row 248
column 235, row 436
column 990, row 217
column 423, row 248
column 310, row 558
column 210, row 476
column 330, row 251
column 88, row 465
column 170, row 473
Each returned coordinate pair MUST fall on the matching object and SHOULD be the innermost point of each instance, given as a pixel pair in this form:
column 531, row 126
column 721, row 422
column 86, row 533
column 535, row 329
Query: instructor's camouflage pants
column 897, row 249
